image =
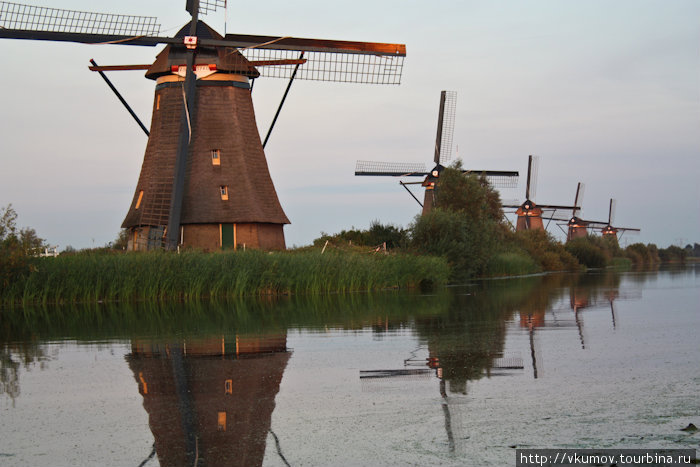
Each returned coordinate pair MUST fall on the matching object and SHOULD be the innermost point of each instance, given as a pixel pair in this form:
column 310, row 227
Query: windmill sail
column 446, row 127
column 15, row 18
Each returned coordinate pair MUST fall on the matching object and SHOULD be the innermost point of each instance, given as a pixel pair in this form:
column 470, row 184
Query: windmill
column 577, row 227
column 443, row 153
column 609, row 230
column 204, row 181
column 529, row 213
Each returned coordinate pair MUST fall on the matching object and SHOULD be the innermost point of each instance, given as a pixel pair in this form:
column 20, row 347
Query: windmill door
column 227, row 239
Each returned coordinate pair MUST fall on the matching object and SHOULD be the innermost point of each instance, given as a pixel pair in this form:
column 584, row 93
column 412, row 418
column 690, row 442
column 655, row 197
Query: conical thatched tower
column 529, row 217
column 229, row 198
column 577, row 228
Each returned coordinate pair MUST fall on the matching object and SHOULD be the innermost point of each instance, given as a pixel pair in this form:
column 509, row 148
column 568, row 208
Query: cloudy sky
column 606, row 93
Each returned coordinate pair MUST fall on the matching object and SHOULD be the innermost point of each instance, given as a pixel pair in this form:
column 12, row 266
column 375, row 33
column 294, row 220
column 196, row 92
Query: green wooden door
column 226, row 236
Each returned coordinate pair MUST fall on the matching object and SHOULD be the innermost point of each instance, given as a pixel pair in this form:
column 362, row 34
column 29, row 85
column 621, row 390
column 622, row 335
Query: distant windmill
column 608, row 229
column 443, row 153
column 577, row 227
column 529, row 213
column 204, row 181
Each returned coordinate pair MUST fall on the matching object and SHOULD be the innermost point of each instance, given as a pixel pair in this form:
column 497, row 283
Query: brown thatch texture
column 225, row 120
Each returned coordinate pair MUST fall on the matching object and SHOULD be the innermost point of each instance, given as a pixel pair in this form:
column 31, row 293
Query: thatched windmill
column 442, row 154
column 609, row 229
column 529, row 213
column 204, row 181
column 577, row 227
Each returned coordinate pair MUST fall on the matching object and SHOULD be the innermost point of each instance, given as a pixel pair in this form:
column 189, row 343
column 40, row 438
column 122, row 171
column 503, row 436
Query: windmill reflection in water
column 210, row 400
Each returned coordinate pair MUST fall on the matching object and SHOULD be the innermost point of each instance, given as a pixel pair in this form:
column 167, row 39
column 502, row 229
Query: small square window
column 216, row 156
column 224, row 192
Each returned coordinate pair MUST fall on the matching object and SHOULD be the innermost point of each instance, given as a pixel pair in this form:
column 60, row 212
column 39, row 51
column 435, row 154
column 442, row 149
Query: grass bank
column 194, row 276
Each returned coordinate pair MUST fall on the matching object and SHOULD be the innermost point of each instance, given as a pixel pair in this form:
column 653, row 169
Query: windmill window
column 216, row 156
column 228, row 386
column 224, row 192
column 138, row 201
column 221, row 421
column 157, row 101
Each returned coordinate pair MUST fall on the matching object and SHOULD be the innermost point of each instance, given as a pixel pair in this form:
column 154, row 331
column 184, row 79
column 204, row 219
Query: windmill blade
column 326, row 60
column 611, row 212
column 446, row 126
column 510, row 203
column 578, row 200
column 534, row 175
column 498, row 178
column 18, row 21
column 393, row 169
column 529, row 176
column 205, row 6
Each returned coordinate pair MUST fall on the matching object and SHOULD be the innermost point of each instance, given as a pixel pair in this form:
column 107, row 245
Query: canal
column 460, row 376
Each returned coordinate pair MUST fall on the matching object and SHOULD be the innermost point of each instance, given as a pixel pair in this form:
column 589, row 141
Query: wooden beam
column 119, row 67
column 277, row 62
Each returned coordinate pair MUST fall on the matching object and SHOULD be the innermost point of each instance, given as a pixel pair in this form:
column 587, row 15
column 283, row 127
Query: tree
column 13, row 258
column 465, row 225
column 7, row 222
column 15, row 247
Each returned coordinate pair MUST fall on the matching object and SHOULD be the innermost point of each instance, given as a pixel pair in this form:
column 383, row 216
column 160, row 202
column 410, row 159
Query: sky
column 604, row 93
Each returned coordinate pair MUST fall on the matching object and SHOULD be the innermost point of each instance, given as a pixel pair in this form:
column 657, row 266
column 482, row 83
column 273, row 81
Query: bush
column 642, row 255
column 466, row 245
column 587, row 252
column 377, row 234
column 673, row 254
column 545, row 250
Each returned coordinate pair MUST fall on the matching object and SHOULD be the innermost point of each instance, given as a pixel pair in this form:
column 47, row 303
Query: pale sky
column 606, row 93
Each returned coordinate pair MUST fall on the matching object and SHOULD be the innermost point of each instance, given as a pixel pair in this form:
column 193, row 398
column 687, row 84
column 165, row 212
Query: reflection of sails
column 534, row 317
column 462, row 346
column 596, row 292
column 210, row 401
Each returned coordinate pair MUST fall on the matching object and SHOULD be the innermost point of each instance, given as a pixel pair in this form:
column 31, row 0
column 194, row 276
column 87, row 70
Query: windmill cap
column 226, row 59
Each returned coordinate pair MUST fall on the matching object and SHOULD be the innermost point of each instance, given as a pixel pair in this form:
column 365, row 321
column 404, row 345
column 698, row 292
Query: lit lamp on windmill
column 204, row 181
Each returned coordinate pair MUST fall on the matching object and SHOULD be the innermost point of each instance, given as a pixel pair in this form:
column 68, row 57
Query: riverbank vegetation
column 91, row 277
column 464, row 236
column 466, row 227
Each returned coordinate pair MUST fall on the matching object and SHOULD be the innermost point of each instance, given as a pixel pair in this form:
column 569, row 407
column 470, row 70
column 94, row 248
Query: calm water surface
column 458, row 377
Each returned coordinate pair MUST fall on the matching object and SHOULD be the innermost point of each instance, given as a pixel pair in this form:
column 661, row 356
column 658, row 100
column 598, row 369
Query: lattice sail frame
column 502, row 181
column 330, row 66
column 35, row 18
column 210, row 6
column 448, row 126
column 396, row 169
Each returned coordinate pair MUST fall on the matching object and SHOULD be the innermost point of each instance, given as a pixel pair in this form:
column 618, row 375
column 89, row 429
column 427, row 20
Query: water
column 459, row 377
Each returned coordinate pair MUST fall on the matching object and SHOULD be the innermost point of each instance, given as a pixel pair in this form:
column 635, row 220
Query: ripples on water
column 458, row 377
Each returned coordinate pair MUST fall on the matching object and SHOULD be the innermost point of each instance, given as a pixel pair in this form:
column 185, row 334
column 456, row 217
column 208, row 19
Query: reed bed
column 510, row 264
column 106, row 277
